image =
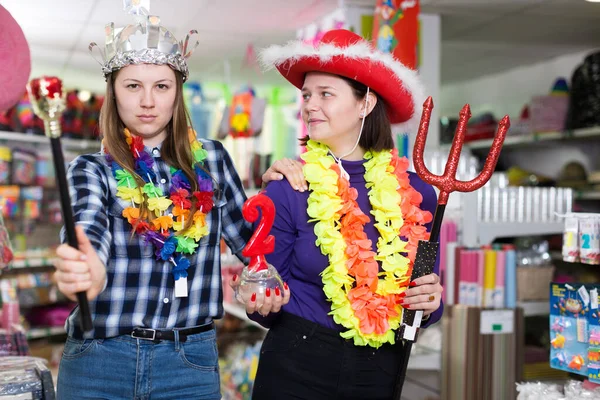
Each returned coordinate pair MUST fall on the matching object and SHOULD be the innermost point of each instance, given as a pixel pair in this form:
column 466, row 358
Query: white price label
column 585, row 296
column 494, row 322
column 594, row 299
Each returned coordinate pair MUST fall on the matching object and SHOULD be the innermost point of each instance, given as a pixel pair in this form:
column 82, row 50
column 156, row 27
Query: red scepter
column 446, row 183
column 48, row 101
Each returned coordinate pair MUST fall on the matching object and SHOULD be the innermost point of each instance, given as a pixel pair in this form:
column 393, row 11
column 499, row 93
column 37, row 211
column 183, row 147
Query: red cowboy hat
column 344, row 53
column 16, row 61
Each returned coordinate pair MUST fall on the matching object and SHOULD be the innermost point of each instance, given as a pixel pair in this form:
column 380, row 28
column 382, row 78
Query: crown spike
column 143, row 42
column 137, row 7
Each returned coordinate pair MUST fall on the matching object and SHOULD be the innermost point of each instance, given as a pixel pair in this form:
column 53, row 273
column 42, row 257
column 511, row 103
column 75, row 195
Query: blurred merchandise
column 520, row 177
column 584, row 105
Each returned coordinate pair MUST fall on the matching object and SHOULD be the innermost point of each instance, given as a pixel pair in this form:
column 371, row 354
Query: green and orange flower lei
column 365, row 300
column 170, row 237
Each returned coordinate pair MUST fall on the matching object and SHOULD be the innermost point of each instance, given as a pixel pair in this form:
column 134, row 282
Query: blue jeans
column 128, row 368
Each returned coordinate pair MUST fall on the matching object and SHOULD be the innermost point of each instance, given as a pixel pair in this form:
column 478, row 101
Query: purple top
column 298, row 259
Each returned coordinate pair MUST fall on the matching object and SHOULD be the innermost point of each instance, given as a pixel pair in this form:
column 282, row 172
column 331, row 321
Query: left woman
column 151, row 208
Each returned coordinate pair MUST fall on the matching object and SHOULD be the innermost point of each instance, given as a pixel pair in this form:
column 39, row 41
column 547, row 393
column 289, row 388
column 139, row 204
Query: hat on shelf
column 143, row 42
column 347, row 54
column 16, row 61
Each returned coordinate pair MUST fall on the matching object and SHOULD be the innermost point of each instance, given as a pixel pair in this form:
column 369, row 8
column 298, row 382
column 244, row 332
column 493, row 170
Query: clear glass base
column 257, row 282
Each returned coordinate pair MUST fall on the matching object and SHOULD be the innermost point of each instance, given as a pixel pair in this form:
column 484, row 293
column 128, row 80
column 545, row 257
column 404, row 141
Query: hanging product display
column 396, row 30
column 581, row 238
column 575, row 329
column 244, row 117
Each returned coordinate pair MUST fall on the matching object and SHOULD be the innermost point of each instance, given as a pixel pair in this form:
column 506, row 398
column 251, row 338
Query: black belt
column 157, row 335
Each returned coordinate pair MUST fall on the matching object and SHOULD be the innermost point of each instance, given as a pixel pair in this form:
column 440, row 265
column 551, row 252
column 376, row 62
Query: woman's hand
column 291, row 169
column 273, row 301
column 424, row 293
column 79, row 270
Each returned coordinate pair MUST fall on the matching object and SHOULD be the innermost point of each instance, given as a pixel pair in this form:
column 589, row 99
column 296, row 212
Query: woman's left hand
column 424, row 293
column 291, row 169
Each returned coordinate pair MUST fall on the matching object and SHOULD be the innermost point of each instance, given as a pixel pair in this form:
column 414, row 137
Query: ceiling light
column 593, row 1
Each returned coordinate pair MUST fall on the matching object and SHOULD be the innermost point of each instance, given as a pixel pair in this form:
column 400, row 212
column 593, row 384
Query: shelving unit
column 239, row 312
column 69, row 144
column 534, row 308
column 39, row 333
column 476, row 233
column 520, row 141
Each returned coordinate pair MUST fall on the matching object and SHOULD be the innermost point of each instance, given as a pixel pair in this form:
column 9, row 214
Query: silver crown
column 145, row 42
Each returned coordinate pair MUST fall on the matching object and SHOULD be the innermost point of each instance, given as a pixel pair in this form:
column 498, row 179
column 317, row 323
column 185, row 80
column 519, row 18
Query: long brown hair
column 377, row 132
column 175, row 150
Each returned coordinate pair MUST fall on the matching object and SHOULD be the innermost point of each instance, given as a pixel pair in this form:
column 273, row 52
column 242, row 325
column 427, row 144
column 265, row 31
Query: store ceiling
column 479, row 37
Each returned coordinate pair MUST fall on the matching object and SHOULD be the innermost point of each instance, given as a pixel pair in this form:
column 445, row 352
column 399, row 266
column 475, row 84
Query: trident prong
column 447, row 182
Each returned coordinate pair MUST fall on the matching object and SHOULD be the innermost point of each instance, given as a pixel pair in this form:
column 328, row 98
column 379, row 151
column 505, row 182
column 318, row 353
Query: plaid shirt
column 140, row 289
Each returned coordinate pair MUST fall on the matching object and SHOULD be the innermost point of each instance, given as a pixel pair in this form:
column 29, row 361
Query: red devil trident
column 446, row 183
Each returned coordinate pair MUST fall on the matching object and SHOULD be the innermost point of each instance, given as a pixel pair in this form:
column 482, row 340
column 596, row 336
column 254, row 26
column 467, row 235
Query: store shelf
column 595, row 195
column 425, row 362
column 488, row 231
column 31, row 262
column 38, row 333
column 535, row 308
column 239, row 312
column 528, row 140
column 74, row 144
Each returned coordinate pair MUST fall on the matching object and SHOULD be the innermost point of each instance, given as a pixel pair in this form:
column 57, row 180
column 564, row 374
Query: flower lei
column 365, row 300
column 168, row 236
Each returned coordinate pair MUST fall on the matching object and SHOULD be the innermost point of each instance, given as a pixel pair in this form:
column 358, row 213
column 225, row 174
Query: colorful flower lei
column 365, row 300
column 168, row 236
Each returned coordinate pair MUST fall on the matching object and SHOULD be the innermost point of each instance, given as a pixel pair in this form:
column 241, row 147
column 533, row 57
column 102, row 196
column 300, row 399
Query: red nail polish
column 402, row 295
column 402, row 302
column 253, row 297
column 268, row 292
column 285, row 286
column 277, row 291
column 235, row 277
column 412, row 284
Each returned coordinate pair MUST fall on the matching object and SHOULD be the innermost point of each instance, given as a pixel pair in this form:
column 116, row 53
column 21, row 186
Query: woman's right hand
column 79, row 270
column 273, row 301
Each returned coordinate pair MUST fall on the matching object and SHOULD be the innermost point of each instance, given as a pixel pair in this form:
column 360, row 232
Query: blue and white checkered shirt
column 140, row 289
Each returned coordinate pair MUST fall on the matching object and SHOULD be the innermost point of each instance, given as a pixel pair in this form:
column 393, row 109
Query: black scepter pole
column 48, row 103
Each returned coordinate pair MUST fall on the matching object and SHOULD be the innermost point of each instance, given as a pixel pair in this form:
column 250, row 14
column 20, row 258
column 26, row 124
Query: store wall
column 507, row 92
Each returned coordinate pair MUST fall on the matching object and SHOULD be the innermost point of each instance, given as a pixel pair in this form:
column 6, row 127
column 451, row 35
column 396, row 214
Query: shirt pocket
column 213, row 220
column 126, row 244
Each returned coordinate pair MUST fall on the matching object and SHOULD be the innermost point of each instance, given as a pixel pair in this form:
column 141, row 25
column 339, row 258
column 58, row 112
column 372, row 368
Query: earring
column 362, row 114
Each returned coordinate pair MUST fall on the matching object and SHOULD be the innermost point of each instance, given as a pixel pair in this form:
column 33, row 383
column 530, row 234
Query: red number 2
column 261, row 242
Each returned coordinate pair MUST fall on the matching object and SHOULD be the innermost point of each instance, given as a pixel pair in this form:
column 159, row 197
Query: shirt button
column 156, row 152
column 165, row 300
column 163, row 180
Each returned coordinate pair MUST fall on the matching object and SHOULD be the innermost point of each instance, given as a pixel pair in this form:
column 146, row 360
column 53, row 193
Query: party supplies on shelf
column 589, row 243
column 594, row 337
column 23, row 167
column 32, row 199
column 5, row 161
column 9, row 201
column 581, row 238
column 569, row 309
column 570, row 249
column 44, row 170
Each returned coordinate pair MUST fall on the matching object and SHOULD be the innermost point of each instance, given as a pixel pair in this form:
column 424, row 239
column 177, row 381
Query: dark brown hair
column 175, row 150
column 377, row 132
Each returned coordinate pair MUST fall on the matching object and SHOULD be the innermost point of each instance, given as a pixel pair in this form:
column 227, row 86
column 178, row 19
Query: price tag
column 181, row 289
column 594, row 298
column 495, row 322
column 585, row 296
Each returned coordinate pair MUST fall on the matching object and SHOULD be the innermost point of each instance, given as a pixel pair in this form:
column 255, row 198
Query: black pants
column 303, row 360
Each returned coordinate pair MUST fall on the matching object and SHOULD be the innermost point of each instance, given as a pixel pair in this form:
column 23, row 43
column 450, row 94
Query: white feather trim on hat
column 276, row 55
